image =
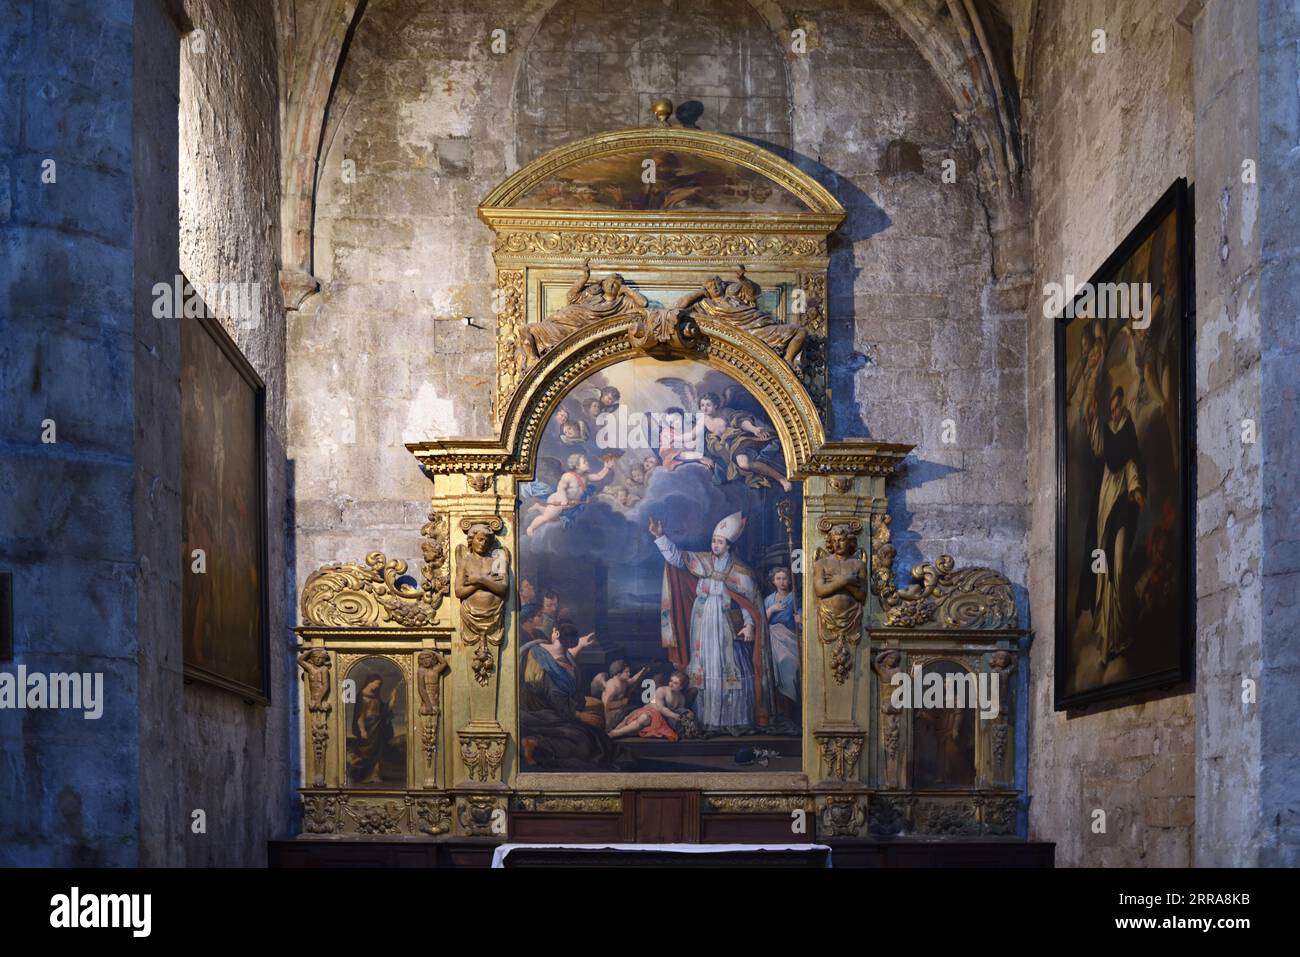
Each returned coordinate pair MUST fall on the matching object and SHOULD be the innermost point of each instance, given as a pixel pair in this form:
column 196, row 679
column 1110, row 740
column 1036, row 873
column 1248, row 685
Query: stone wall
column 68, row 786
column 1248, row 762
column 427, row 118
column 595, row 66
column 1108, row 134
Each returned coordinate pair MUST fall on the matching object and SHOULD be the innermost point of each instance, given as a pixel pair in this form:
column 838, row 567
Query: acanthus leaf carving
column 975, row 598
column 357, row 595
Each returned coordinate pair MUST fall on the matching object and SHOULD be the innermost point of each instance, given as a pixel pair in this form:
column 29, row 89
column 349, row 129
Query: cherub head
column 610, row 395
column 620, row 669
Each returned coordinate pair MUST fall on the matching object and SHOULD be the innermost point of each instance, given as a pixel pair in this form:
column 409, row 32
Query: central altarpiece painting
column 659, row 574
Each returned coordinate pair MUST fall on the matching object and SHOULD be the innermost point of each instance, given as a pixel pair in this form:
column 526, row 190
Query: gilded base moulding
column 579, row 291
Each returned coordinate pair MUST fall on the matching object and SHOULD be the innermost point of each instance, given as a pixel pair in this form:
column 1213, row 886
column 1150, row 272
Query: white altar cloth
column 503, row 851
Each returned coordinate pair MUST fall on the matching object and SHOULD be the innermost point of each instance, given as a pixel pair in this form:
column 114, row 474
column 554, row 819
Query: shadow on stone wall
column 863, row 219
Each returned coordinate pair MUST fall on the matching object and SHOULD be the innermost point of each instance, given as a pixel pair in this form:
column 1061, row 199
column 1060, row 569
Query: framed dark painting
column 223, row 501
column 1124, row 457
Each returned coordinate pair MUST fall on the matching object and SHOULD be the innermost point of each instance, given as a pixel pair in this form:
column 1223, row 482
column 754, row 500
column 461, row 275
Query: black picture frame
column 1178, row 665
column 205, row 333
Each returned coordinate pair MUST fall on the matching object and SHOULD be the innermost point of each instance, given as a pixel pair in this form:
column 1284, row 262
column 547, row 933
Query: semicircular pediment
column 694, row 172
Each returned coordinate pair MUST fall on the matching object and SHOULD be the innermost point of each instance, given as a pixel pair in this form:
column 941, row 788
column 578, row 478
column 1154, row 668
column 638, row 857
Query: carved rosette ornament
column 482, row 752
column 354, row 595
column 320, row 814
column 948, row 819
column 373, row 817
column 841, row 815
column 840, row 753
column 315, row 665
column 840, row 584
column 664, row 329
column 975, row 598
column 886, row 817
column 481, row 816
column 998, row 814
column 482, row 582
column 434, row 816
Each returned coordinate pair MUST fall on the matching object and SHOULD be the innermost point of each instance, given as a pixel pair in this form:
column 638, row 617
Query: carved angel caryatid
column 482, row 582
column 315, row 665
column 588, row 302
column 886, row 667
column 430, row 666
column 1002, row 664
column 737, row 303
column 840, row 584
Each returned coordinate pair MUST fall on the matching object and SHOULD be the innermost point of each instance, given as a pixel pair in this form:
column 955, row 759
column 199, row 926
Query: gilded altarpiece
column 659, row 573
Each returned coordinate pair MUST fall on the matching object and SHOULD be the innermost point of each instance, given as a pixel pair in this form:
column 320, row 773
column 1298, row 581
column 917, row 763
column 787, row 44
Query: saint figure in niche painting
column 713, row 624
column 372, row 731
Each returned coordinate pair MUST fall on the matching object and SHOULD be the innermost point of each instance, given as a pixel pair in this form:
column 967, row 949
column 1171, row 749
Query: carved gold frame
column 347, row 608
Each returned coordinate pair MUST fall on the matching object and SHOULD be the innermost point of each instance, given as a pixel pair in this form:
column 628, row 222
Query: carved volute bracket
column 369, row 595
column 975, row 598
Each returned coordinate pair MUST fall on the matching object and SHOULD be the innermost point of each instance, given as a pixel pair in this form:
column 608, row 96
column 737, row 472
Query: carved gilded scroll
column 978, row 598
column 353, row 595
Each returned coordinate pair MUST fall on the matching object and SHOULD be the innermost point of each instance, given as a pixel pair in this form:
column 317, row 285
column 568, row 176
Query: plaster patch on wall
column 429, row 416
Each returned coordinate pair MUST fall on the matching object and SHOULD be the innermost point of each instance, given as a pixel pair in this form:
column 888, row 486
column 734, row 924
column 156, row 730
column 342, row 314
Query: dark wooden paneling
column 739, row 828
column 563, row 827
column 661, row 817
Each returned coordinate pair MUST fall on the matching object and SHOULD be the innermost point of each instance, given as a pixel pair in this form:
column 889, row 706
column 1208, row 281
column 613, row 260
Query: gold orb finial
column 663, row 109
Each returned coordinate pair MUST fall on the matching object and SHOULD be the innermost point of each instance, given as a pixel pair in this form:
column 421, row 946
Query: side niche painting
column 376, row 724
column 660, row 622
column 1124, row 458
column 224, row 588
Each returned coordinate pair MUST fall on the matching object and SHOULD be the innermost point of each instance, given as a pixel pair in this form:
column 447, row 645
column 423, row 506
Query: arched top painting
column 660, row 623
column 664, row 169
